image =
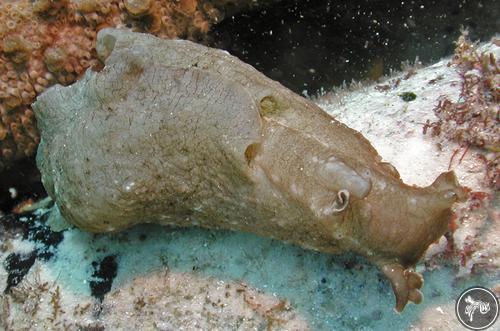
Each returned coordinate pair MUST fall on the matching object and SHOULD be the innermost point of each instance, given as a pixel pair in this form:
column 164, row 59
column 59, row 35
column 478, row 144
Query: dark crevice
column 33, row 228
column 17, row 266
column 104, row 273
column 19, row 183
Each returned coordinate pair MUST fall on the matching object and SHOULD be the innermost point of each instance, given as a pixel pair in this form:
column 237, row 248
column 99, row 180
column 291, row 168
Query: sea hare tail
column 405, row 284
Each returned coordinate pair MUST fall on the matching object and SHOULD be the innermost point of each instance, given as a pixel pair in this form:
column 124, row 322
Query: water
column 316, row 44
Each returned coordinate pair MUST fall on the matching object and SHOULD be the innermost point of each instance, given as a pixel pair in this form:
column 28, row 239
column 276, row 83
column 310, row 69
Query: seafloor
column 153, row 277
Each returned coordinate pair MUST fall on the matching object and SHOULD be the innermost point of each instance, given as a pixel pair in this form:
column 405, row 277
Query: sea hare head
column 395, row 224
column 401, row 221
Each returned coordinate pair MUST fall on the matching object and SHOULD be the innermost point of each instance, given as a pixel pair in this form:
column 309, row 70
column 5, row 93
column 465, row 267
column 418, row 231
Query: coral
column 53, row 41
column 474, row 119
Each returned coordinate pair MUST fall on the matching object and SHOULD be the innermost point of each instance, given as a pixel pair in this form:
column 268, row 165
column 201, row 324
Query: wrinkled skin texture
column 176, row 133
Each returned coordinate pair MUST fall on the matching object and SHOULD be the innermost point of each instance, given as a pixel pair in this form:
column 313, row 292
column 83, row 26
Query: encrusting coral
column 44, row 42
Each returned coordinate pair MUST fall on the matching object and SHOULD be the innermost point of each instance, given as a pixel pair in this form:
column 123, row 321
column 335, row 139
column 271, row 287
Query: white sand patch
column 159, row 301
column 394, row 126
column 182, row 301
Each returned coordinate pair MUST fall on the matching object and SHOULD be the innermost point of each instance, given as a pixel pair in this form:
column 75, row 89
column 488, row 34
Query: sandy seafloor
column 192, row 279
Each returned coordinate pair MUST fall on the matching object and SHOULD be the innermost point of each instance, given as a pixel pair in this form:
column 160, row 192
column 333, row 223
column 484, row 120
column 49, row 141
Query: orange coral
column 44, row 42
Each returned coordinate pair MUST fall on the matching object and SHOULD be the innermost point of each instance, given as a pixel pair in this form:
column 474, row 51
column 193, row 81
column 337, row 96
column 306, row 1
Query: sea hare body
column 176, row 133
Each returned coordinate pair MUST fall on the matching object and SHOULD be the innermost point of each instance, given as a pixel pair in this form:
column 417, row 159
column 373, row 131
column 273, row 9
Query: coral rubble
column 473, row 119
column 44, row 42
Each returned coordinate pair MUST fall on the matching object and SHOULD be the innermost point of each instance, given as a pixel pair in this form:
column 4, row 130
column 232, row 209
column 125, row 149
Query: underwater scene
column 249, row 165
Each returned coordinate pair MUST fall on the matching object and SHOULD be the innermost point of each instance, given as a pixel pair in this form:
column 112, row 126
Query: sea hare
column 176, row 133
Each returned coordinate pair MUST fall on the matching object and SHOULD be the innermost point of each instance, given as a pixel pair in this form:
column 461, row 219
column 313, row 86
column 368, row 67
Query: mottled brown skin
column 176, row 133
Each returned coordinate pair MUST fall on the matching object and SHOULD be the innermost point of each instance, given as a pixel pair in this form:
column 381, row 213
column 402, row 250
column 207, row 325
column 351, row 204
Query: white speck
column 128, row 186
column 13, row 192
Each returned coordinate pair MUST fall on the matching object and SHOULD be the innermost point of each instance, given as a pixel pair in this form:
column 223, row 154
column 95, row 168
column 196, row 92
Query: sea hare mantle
column 176, row 133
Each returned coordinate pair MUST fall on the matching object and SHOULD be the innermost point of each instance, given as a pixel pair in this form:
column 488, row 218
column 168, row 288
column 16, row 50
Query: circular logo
column 477, row 308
